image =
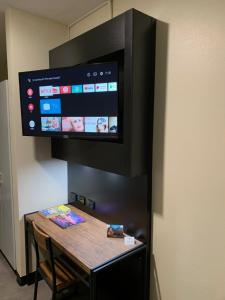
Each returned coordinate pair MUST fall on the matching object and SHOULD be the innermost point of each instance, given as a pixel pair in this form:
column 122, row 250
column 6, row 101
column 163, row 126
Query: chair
column 56, row 275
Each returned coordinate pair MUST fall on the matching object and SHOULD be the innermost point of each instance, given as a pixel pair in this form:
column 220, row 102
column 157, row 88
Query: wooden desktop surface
column 86, row 243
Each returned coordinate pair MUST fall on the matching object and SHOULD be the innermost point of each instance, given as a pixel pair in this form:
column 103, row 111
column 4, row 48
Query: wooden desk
column 86, row 244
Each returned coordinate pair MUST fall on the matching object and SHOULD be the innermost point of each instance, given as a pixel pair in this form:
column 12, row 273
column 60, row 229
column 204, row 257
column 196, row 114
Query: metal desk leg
column 93, row 285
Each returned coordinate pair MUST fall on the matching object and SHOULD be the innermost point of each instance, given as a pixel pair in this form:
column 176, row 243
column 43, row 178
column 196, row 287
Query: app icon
column 55, row 90
column 101, row 87
column 65, row 89
column 45, row 90
column 88, row 74
column 95, row 73
column 76, row 89
column 112, row 86
column 32, row 124
column 101, row 73
column 88, row 88
column 50, row 106
column 30, row 107
column 30, row 92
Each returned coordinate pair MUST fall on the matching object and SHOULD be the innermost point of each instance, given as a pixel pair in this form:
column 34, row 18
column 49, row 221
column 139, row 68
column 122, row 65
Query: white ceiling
column 64, row 11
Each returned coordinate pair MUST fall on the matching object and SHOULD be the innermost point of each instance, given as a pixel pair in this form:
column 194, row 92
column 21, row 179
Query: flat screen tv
column 80, row 101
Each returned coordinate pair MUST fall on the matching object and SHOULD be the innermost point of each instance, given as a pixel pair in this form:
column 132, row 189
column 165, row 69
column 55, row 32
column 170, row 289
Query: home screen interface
column 81, row 100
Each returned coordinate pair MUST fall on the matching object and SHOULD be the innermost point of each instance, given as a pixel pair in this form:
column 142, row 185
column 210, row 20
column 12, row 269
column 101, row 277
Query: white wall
column 189, row 146
column 92, row 19
column 7, row 237
column 38, row 180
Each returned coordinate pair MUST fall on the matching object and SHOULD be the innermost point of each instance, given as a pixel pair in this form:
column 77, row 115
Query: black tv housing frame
column 132, row 36
column 130, row 39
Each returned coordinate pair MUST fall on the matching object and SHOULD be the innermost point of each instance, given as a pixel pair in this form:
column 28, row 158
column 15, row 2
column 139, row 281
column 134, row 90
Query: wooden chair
column 56, row 275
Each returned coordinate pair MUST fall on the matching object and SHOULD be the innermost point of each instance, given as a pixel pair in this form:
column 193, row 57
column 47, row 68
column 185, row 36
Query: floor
column 10, row 290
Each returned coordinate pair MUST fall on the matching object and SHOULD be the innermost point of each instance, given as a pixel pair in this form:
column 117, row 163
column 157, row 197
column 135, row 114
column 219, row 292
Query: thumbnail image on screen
column 96, row 124
column 113, row 124
column 100, row 124
column 73, row 124
column 51, row 124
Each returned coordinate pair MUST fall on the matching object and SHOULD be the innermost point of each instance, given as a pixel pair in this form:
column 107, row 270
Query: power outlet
column 73, row 197
column 90, row 204
column 81, row 199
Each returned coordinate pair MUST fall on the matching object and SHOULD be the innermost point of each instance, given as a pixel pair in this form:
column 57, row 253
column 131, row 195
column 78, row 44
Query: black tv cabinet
column 129, row 38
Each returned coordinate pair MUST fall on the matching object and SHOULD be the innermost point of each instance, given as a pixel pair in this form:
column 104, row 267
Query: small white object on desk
column 129, row 240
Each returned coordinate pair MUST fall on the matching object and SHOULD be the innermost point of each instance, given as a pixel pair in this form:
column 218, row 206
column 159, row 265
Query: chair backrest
column 41, row 238
column 43, row 247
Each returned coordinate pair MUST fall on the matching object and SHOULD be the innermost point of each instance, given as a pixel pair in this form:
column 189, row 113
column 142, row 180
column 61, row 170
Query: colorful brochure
column 67, row 220
column 55, row 211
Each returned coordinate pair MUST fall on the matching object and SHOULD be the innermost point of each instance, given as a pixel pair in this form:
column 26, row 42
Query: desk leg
column 93, row 285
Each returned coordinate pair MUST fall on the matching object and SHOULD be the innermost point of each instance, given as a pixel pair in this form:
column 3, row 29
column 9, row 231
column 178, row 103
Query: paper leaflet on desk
column 55, row 211
column 67, row 220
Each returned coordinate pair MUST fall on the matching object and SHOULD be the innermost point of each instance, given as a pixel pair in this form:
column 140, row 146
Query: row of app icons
column 46, row 91
column 100, row 124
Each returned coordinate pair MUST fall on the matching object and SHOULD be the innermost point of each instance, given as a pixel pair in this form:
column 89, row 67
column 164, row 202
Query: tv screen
column 79, row 101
